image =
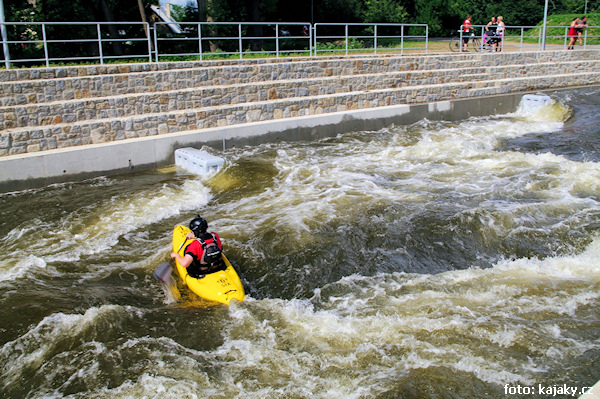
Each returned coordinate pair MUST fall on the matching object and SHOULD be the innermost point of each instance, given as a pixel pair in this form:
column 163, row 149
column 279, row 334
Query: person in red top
column 466, row 32
column 203, row 255
column 572, row 33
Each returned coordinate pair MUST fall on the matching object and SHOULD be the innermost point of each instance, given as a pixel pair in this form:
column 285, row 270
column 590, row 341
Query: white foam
column 96, row 229
column 41, row 342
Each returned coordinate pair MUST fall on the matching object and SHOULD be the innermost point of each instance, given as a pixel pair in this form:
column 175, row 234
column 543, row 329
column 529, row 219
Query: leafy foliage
column 384, row 11
column 442, row 16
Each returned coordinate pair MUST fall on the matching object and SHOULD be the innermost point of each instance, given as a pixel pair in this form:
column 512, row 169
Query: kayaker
column 203, row 255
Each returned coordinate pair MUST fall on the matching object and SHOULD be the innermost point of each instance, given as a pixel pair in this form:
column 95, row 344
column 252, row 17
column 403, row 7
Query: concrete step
column 137, row 104
column 14, row 75
column 62, row 135
column 69, row 83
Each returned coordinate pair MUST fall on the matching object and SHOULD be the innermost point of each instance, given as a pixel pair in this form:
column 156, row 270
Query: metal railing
column 348, row 38
column 526, row 36
column 204, row 40
column 45, row 43
column 49, row 42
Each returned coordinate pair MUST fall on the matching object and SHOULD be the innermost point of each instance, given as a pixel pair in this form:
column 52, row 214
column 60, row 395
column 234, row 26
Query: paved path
column 442, row 45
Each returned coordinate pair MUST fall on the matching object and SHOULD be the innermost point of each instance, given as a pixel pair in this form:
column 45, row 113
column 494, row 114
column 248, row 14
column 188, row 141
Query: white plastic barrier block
column 532, row 102
column 198, row 161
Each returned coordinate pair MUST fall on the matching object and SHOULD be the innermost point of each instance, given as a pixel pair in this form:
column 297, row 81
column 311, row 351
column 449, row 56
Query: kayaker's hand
column 190, row 235
column 173, row 255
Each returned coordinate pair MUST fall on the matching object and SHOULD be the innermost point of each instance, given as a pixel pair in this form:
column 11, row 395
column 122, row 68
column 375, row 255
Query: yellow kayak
column 222, row 286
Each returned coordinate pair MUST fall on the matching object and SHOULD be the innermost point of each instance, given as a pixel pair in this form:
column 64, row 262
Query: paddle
column 163, row 274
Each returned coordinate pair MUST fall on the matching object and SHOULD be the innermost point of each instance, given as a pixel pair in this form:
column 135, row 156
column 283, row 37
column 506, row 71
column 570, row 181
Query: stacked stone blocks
column 50, row 108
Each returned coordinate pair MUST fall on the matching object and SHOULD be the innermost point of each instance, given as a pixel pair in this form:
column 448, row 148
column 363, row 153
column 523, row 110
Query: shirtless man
column 582, row 23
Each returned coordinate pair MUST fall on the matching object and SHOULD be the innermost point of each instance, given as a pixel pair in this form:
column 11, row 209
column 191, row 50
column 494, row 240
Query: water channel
column 436, row 260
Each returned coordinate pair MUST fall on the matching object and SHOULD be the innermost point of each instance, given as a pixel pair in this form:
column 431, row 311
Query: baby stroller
column 490, row 40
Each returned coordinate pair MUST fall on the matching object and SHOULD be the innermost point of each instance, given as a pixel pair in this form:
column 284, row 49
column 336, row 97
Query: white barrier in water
column 533, row 102
column 198, row 161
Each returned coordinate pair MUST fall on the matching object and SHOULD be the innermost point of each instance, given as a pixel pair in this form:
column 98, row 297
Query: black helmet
column 198, row 225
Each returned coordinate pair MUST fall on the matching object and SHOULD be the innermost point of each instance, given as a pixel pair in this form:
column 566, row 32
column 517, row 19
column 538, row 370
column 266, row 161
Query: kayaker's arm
column 184, row 261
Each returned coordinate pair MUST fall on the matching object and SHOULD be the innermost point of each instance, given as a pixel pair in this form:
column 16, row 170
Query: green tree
column 435, row 14
column 341, row 11
column 384, row 11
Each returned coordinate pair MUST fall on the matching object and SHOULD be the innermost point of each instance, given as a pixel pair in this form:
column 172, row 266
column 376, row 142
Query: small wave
column 96, row 228
column 45, row 340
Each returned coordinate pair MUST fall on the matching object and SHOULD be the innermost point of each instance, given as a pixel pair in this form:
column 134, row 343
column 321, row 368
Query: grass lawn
column 557, row 35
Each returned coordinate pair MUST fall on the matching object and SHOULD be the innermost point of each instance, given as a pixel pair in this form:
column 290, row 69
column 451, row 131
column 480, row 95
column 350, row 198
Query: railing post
column 346, row 33
column 45, row 39
column 5, row 44
column 4, row 36
column 155, row 38
column 240, row 40
column 276, row 40
column 314, row 39
column 150, row 39
column 521, row 41
column 200, row 40
column 100, row 53
column 402, row 39
column 544, row 25
column 375, row 39
column 310, row 39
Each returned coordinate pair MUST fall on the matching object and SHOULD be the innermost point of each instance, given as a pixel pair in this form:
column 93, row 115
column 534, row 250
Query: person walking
column 500, row 30
column 467, row 27
column 572, row 34
column 582, row 23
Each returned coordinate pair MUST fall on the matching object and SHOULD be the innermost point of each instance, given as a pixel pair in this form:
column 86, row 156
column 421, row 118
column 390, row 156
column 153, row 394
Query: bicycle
column 456, row 43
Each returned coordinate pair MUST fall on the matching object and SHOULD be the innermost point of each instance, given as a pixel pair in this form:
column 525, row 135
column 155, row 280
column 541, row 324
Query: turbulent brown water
column 449, row 260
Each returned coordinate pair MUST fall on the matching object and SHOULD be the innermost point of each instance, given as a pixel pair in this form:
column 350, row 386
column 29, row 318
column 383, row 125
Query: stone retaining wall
column 19, row 87
column 123, row 105
column 53, row 108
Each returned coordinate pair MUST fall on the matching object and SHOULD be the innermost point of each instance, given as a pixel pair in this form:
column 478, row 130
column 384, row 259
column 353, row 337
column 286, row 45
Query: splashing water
column 433, row 260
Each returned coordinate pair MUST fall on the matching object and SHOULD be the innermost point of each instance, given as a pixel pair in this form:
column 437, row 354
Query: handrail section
column 360, row 37
column 37, row 43
column 526, row 34
column 208, row 39
column 48, row 42
column 43, row 43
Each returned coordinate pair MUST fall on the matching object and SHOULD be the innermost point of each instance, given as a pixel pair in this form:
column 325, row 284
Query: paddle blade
column 163, row 273
column 171, row 290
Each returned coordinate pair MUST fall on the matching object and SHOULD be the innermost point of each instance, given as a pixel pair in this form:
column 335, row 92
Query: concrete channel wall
column 69, row 123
